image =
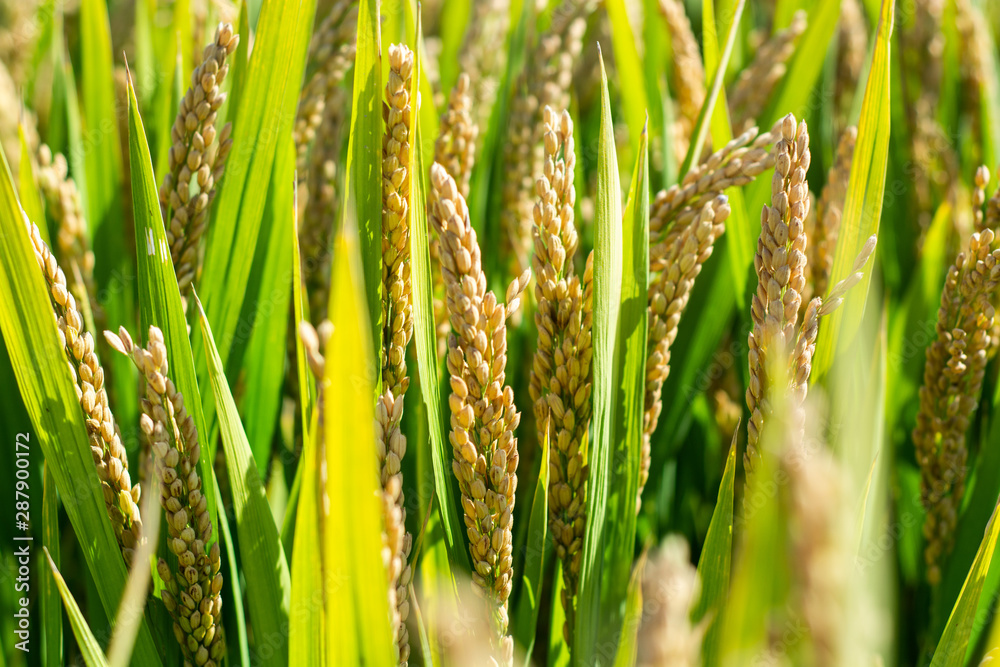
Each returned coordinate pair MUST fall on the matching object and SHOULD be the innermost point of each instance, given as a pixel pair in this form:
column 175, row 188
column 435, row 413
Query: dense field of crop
column 496, row 332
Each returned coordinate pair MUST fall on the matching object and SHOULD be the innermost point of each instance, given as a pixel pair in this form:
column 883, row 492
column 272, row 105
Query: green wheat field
column 581, row 333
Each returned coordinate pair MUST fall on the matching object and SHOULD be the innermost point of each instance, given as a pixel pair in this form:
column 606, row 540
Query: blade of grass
column 265, row 113
column 239, row 647
column 47, row 388
column 363, row 182
column 628, row 646
column 715, row 563
column 357, row 623
column 951, row 650
column 305, row 640
column 526, row 614
column 51, row 607
column 863, row 207
column 262, row 558
column 263, row 369
column 160, row 298
column 607, row 295
column 89, row 648
column 103, row 156
column 425, row 344
column 629, row 394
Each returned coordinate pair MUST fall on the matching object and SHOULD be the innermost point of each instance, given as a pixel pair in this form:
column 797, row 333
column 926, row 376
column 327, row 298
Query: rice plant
column 499, row 332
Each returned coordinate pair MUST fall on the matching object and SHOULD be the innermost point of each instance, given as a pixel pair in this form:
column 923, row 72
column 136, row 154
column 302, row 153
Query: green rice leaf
column 525, row 620
column 863, row 207
column 47, row 388
column 715, row 563
column 89, row 648
column 263, row 369
column 262, row 558
column 631, row 76
column 238, row 645
column 628, row 645
column 630, row 393
column 952, row 648
column 425, row 343
column 103, row 156
column 266, row 112
column 51, row 607
column 357, row 611
column 160, row 297
column 363, row 177
column 608, row 270
column 305, row 640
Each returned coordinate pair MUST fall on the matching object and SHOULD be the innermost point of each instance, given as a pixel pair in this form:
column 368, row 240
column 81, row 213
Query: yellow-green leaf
column 863, row 207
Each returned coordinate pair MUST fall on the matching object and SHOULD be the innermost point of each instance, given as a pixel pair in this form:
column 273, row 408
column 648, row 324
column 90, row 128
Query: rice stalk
column 953, row 378
column 545, row 82
column 192, row 580
column 670, row 590
column 483, row 415
column 121, row 497
column 195, row 154
column 560, row 378
column 687, row 74
column 756, row 83
column 62, row 202
column 397, row 318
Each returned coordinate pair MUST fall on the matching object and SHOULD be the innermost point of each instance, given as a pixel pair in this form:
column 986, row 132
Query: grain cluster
column 196, row 156
column 483, row 415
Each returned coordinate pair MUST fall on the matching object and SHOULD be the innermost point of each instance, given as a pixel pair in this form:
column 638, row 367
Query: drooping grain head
column 483, row 415
column 196, row 157
column 397, row 319
column 121, row 497
column 753, row 90
column 779, row 264
column 547, row 84
column 953, row 377
column 63, row 206
column 192, row 580
column 560, row 378
column 669, row 292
